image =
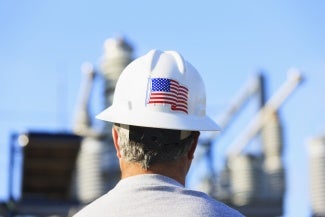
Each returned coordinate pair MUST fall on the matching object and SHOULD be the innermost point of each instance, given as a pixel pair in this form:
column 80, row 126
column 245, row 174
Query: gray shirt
column 153, row 195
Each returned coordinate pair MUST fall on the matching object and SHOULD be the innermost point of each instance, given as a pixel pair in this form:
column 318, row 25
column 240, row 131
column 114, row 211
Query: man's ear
column 190, row 153
column 115, row 140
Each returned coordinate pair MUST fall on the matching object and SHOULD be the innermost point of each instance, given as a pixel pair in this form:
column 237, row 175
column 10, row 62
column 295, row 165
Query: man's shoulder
column 202, row 203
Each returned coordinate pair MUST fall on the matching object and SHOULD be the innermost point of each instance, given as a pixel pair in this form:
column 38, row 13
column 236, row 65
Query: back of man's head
column 149, row 146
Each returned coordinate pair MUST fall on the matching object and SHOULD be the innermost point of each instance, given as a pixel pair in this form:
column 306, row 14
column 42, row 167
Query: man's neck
column 175, row 170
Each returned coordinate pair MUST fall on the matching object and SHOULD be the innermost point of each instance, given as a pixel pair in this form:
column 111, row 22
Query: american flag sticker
column 168, row 91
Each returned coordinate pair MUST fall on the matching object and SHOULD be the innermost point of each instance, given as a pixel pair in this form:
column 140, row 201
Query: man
column 157, row 111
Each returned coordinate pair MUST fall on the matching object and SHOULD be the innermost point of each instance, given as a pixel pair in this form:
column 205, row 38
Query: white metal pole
column 272, row 105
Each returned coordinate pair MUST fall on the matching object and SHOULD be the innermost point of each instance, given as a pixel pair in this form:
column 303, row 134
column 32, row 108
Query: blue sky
column 44, row 43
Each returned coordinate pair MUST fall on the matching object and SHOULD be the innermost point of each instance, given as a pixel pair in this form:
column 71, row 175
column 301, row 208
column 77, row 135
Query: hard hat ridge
column 179, row 60
column 165, row 61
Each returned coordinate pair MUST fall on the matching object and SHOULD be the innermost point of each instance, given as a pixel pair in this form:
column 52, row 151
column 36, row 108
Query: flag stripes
column 168, row 91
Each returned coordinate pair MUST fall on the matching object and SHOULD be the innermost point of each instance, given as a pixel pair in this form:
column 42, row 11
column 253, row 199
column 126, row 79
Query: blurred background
column 263, row 63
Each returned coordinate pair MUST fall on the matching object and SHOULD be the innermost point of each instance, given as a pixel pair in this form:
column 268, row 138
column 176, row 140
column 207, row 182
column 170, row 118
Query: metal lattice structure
column 255, row 184
column 97, row 167
column 316, row 150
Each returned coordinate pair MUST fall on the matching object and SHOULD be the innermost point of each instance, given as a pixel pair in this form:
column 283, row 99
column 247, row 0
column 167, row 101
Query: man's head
column 160, row 105
column 151, row 146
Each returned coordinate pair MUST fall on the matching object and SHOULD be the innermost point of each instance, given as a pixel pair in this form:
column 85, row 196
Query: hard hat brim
column 176, row 121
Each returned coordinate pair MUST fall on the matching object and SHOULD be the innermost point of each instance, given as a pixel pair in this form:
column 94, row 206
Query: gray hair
column 152, row 145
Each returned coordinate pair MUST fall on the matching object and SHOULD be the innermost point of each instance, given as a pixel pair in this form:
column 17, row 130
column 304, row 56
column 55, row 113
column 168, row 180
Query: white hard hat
column 160, row 90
